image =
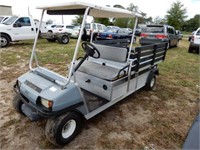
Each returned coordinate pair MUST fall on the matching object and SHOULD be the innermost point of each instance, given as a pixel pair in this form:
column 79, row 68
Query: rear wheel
column 151, row 82
column 177, row 43
column 4, row 40
column 61, row 130
column 168, row 45
column 190, row 50
column 64, row 39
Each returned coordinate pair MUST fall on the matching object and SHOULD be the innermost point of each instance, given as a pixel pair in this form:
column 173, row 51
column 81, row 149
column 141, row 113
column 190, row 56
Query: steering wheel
column 90, row 50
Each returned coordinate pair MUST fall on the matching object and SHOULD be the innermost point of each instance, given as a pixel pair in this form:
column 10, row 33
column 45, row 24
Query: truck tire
column 177, row 43
column 151, row 81
column 63, row 39
column 61, row 130
column 190, row 50
column 51, row 40
column 4, row 40
column 168, row 45
column 17, row 104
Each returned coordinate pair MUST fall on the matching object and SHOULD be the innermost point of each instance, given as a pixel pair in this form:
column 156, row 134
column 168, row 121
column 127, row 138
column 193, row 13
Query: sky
column 152, row 8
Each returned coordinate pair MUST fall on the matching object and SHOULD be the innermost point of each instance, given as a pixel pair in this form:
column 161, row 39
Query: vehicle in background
column 60, row 33
column 180, row 35
column 51, row 27
column 138, row 31
column 17, row 28
column 43, row 28
column 195, row 42
column 63, row 29
column 93, row 28
column 112, row 27
column 159, row 33
column 4, row 18
column 75, row 32
column 116, row 33
column 190, row 36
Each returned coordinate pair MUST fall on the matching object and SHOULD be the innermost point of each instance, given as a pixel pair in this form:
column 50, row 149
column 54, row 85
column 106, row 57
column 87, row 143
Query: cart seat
column 111, row 65
column 102, row 71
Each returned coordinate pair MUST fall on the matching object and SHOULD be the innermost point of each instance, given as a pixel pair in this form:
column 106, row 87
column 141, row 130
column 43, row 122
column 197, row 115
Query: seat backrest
column 118, row 54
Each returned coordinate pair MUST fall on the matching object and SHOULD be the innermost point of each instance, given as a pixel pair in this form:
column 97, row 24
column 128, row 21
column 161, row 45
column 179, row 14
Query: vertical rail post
column 33, row 54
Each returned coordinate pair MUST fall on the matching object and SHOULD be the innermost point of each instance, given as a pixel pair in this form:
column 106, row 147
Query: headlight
column 46, row 103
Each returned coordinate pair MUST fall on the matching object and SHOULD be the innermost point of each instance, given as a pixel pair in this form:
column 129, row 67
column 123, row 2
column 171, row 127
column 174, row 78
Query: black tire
column 40, row 34
column 55, row 128
column 168, row 45
column 94, row 37
column 151, row 82
column 64, row 39
column 51, row 40
column 4, row 40
column 190, row 50
column 177, row 43
column 17, row 104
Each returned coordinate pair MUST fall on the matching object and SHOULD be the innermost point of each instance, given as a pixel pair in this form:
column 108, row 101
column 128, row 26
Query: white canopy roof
column 95, row 11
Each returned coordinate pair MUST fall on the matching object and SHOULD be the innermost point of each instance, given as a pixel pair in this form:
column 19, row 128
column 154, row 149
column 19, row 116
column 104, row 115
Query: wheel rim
column 3, row 41
column 69, row 128
column 152, row 82
column 167, row 45
column 65, row 39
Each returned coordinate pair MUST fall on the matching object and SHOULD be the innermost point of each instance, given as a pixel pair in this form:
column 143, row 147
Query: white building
column 5, row 10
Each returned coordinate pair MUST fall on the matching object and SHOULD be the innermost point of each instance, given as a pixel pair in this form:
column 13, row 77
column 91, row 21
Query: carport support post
column 92, row 33
column 77, row 44
column 130, row 48
column 35, row 42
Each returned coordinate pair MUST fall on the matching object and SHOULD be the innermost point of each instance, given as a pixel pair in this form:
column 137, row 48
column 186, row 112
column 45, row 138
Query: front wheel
column 177, row 43
column 17, row 104
column 4, row 40
column 63, row 129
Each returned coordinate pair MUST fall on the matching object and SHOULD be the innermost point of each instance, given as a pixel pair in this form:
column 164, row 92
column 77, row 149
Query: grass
column 181, row 67
column 172, row 107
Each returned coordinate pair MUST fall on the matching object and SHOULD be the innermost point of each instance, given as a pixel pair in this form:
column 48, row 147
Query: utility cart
column 107, row 73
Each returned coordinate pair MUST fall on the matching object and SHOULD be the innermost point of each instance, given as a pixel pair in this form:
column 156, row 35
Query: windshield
column 1, row 18
column 10, row 20
column 77, row 27
column 87, row 26
column 69, row 27
column 59, row 26
column 112, row 30
column 154, row 29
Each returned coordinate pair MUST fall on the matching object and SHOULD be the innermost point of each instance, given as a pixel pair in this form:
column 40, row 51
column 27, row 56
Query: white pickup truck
column 17, row 28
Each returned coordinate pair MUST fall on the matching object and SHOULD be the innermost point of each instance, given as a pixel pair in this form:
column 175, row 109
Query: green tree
column 104, row 21
column 176, row 15
column 121, row 22
column 49, row 21
column 77, row 21
column 159, row 20
column 132, row 8
column 192, row 24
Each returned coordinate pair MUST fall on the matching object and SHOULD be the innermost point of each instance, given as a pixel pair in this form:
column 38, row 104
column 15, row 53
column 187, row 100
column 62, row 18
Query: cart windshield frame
column 85, row 9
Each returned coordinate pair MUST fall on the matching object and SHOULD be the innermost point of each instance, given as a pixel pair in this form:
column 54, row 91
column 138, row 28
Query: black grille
column 33, row 86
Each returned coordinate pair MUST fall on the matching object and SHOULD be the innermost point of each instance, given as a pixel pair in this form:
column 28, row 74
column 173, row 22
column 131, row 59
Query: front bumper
column 35, row 112
column 32, row 111
column 194, row 46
